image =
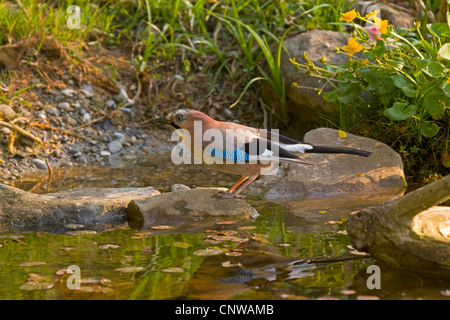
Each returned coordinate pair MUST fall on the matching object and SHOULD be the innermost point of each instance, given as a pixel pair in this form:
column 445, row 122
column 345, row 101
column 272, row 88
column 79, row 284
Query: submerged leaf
column 207, row 252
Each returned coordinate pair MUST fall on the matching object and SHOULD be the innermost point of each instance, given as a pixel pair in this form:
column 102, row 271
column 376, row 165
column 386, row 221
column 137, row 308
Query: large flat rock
column 26, row 211
column 192, row 209
column 337, row 174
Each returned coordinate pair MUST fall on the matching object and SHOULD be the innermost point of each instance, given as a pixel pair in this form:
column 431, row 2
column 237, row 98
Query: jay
column 238, row 149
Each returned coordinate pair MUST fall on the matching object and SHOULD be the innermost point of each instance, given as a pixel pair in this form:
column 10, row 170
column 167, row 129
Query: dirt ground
column 64, row 108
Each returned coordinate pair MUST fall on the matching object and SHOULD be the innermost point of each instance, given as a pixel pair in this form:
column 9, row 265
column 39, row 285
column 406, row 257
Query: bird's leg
column 242, row 187
column 227, row 194
column 236, row 194
column 241, row 180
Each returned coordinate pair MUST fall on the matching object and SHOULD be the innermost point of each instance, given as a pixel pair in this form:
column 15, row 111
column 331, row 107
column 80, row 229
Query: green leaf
column 440, row 30
column 400, row 111
column 410, row 91
column 433, row 103
column 444, row 51
column 350, row 94
column 373, row 79
column 429, row 130
column 380, row 48
column 436, row 69
column 400, row 81
column 387, row 85
column 447, row 90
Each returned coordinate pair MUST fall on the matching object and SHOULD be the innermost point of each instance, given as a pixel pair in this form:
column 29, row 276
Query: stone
column 104, row 153
column 7, row 112
column 53, row 112
column 400, row 17
column 318, row 44
column 409, row 232
column 68, row 92
column 63, row 105
column 336, row 174
column 190, row 209
column 114, row 146
column 40, row 164
column 95, row 207
column 179, row 187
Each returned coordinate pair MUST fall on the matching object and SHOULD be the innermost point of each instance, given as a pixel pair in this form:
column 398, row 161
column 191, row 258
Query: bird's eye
column 179, row 118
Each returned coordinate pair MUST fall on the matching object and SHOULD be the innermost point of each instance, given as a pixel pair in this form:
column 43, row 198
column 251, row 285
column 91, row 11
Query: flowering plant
column 401, row 75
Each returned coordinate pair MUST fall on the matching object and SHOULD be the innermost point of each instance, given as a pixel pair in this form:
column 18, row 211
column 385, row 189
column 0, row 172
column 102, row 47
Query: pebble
column 105, row 153
column 121, row 97
column 77, row 154
column 118, row 135
column 114, row 146
column 63, row 105
column 53, row 112
column 7, row 111
column 87, row 91
column 38, row 163
column 67, row 92
column 111, row 104
column 87, row 116
column 179, row 187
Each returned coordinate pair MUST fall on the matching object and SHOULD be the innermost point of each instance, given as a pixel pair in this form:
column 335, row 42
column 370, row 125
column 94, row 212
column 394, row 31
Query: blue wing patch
column 236, row 156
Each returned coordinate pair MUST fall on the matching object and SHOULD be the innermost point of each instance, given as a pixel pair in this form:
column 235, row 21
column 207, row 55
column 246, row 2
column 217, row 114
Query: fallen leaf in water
column 73, row 226
column 32, row 264
column 445, row 293
column 359, row 253
column 347, row 292
column 81, row 232
column 323, row 211
column 260, row 238
column 129, row 269
column 162, row 227
column 367, row 298
column 96, row 289
column 225, row 222
column 183, row 245
column 60, row 272
column 207, row 252
column 36, row 286
column 141, row 235
column 245, row 228
column 233, row 254
column 108, row 246
column 173, row 270
column 283, row 244
column 229, row 238
column 210, row 241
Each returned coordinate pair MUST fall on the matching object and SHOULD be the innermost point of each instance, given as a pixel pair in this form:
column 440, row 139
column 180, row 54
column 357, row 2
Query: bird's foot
column 227, row 195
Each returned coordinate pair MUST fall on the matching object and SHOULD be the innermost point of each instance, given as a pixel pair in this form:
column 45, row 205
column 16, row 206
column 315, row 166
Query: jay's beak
column 163, row 120
column 167, row 121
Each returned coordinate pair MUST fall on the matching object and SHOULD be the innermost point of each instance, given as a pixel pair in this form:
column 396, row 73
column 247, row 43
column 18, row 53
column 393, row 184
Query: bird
column 242, row 150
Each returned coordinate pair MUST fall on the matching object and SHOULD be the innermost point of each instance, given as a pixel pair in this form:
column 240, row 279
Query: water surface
column 293, row 250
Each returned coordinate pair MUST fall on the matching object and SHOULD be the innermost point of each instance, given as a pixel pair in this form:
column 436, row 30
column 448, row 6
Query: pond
column 292, row 250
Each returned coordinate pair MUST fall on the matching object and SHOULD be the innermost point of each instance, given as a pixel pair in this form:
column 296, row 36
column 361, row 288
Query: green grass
column 238, row 32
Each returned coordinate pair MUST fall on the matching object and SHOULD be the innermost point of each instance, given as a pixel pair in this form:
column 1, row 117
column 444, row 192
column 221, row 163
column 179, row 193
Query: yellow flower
column 382, row 25
column 448, row 81
column 352, row 46
column 295, row 84
column 348, row 16
column 371, row 14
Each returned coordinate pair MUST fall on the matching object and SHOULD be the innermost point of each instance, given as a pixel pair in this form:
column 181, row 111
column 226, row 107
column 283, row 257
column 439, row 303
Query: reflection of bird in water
column 213, row 281
column 296, row 269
